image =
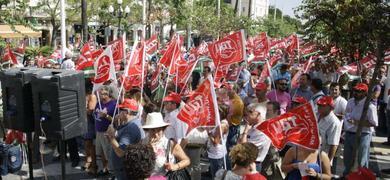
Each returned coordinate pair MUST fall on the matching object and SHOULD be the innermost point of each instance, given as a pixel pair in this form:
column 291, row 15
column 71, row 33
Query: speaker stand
column 29, row 155
column 63, row 155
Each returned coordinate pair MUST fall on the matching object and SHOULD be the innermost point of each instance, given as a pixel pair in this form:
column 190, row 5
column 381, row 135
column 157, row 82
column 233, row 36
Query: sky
column 286, row 5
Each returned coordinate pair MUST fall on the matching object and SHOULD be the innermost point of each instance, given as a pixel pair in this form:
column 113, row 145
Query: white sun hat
column 154, row 120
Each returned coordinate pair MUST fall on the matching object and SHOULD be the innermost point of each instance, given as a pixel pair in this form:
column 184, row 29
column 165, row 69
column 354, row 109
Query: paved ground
column 380, row 159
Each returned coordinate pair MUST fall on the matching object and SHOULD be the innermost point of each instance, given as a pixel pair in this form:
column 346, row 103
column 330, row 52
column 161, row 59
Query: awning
column 21, row 32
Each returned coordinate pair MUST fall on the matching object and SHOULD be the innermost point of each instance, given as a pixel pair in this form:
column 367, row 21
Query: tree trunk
column 53, row 33
column 148, row 25
column 236, row 7
column 84, row 22
column 379, row 63
column 250, row 8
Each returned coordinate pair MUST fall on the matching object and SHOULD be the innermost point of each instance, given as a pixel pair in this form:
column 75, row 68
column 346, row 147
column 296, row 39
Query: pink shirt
column 283, row 98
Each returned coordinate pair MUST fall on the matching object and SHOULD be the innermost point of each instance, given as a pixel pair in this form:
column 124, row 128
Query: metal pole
column 63, row 154
column 275, row 11
column 119, row 23
column 143, row 19
column 29, row 155
column 63, row 30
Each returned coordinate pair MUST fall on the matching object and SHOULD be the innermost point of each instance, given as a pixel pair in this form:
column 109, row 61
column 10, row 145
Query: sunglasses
column 283, row 84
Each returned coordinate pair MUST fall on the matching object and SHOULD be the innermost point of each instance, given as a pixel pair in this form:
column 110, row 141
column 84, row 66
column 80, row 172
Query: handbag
column 11, row 157
column 181, row 174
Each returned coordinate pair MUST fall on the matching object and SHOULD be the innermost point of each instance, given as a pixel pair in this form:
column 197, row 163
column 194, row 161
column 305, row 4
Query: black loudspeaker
column 59, row 103
column 18, row 111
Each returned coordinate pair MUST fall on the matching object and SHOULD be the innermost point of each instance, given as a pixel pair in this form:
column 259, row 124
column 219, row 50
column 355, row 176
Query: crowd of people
column 135, row 139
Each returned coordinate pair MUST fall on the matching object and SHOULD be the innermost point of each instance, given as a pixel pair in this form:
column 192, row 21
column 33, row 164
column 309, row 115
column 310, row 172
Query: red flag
column 155, row 78
column 298, row 126
column 135, row 63
column 183, row 71
column 172, row 53
column 266, row 72
column 278, row 44
column 202, row 49
column 202, row 108
column 261, row 46
column 228, row 50
column 9, row 56
column 55, row 55
column 104, row 68
column 307, row 49
column 221, row 72
column 151, row 45
column 117, row 50
column 292, row 44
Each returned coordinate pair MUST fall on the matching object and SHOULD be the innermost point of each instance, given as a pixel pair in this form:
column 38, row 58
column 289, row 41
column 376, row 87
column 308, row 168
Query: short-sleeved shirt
column 177, row 129
column 102, row 124
column 129, row 133
column 260, row 140
column 340, row 104
column 283, row 98
column 236, row 111
column 306, row 93
column 354, row 111
column 330, row 131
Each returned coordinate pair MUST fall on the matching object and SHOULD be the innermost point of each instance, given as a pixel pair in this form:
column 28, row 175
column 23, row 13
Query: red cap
column 326, row 100
column 299, row 100
column 261, row 86
column 361, row 87
column 172, row 97
column 130, row 104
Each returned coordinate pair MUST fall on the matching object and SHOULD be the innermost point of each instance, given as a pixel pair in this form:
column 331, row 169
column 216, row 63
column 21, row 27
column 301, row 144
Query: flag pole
column 270, row 76
column 125, row 76
column 142, row 73
column 169, row 69
column 192, row 70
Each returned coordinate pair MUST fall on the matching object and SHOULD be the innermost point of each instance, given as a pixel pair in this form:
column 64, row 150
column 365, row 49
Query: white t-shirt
column 260, row 140
column 340, row 104
column 217, row 151
column 177, row 129
column 330, row 131
column 229, row 175
column 68, row 64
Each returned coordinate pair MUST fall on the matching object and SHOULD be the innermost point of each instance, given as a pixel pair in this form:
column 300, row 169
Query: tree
column 350, row 25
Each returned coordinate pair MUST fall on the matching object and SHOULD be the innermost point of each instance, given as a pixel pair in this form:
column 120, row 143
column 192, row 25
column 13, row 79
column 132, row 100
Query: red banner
column 104, row 67
column 304, row 69
column 201, row 109
column 228, row 50
column 298, row 126
column 261, row 47
column 117, row 50
column 151, row 45
column 9, row 56
column 172, row 53
column 155, row 78
column 183, row 71
column 221, row 72
column 292, row 44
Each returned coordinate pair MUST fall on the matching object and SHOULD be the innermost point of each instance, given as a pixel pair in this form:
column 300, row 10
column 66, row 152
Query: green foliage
column 32, row 52
column 349, row 24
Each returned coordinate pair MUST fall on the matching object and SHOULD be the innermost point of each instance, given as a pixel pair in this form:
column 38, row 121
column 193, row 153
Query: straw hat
column 154, row 120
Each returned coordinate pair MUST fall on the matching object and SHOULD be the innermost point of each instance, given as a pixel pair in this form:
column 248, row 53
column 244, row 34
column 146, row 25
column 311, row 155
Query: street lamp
column 119, row 13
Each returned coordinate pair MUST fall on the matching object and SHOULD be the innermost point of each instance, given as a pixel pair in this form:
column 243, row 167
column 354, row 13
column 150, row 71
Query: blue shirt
column 129, row 133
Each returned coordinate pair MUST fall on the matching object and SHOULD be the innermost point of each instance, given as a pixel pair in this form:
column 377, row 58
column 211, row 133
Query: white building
column 259, row 7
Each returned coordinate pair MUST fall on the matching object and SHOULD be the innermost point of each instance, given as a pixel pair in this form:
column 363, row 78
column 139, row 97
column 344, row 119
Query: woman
column 103, row 116
column 243, row 158
column 89, row 137
column 216, row 150
column 165, row 161
column 312, row 158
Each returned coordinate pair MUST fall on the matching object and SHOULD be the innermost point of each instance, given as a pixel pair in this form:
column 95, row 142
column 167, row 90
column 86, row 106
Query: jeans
column 234, row 133
column 258, row 166
column 363, row 150
column 215, row 165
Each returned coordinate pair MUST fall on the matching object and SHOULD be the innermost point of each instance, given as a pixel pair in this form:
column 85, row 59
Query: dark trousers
column 72, row 148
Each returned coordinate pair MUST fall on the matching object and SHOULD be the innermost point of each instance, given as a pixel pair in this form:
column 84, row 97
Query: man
column 128, row 131
column 340, row 103
column 177, row 129
column 303, row 90
column 68, row 63
column 260, row 91
column 329, row 126
column 280, row 95
column 273, row 109
column 283, row 73
column 316, row 87
column 351, row 121
column 251, row 134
